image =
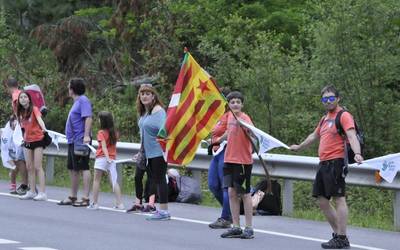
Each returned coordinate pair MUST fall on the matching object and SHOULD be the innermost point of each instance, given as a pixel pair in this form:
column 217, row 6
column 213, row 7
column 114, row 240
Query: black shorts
column 329, row 180
column 35, row 144
column 77, row 163
column 237, row 176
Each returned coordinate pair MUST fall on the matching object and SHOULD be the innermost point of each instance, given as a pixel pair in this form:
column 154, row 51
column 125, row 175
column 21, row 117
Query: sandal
column 84, row 202
column 68, row 201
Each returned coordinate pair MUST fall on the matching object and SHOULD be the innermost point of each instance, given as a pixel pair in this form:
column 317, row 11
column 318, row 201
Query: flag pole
column 267, row 176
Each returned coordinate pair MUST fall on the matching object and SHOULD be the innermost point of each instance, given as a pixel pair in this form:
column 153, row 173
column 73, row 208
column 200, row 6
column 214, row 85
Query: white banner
column 266, row 141
column 54, row 137
column 7, row 147
column 387, row 165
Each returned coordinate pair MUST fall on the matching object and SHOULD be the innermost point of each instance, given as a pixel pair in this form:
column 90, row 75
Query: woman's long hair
column 23, row 113
column 107, row 123
column 140, row 108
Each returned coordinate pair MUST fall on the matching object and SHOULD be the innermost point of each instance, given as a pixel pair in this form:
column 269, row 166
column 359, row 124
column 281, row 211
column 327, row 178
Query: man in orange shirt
column 330, row 179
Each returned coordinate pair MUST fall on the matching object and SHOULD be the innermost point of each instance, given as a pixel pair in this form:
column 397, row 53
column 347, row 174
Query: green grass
column 368, row 207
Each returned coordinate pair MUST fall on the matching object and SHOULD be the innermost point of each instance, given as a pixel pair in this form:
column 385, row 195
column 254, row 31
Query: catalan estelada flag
column 195, row 107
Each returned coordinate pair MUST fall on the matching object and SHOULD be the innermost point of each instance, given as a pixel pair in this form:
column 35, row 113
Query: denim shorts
column 17, row 155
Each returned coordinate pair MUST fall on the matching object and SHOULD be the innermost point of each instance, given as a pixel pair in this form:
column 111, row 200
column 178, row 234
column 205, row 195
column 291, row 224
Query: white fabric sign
column 387, row 165
column 7, row 145
column 266, row 141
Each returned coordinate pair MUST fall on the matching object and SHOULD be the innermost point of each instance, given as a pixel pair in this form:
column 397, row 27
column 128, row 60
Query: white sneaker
column 119, row 207
column 40, row 197
column 93, row 206
column 28, row 196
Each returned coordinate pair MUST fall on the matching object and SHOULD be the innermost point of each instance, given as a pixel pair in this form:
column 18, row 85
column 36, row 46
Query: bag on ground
column 189, row 190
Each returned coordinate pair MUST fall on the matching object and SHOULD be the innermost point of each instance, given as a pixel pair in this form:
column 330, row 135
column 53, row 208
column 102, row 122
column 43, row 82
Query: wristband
column 357, row 154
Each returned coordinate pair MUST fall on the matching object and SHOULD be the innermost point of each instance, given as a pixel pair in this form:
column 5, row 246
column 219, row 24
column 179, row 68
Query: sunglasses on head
column 325, row 99
column 146, row 85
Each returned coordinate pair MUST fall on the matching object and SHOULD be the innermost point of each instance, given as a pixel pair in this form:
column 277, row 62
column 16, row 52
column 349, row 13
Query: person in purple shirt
column 78, row 131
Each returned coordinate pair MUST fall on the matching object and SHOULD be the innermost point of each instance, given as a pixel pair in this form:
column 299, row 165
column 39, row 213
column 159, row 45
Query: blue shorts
column 18, row 155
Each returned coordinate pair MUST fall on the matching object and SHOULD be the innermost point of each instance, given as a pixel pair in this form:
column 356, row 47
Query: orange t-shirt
column 331, row 144
column 33, row 131
column 238, row 149
column 219, row 130
column 14, row 98
column 103, row 135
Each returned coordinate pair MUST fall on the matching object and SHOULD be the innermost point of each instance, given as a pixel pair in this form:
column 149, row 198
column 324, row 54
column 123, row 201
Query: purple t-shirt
column 75, row 126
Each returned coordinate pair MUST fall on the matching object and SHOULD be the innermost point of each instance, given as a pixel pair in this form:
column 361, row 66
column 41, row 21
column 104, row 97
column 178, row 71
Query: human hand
column 134, row 158
column 294, row 147
column 86, row 139
column 358, row 158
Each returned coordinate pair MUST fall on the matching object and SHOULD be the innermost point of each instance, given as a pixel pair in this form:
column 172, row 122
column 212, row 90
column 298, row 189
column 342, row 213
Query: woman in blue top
column 152, row 117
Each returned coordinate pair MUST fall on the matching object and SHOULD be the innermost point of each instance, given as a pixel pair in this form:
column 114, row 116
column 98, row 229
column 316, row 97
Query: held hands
column 358, row 158
column 86, row 139
column 294, row 147
column 134, row 158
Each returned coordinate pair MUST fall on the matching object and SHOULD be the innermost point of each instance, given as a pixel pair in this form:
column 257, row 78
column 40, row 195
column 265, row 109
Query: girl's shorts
column 102, row 164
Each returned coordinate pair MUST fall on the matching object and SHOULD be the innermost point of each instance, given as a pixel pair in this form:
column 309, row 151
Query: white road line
column 4, row 241
column 207, row 222
column 37, row 248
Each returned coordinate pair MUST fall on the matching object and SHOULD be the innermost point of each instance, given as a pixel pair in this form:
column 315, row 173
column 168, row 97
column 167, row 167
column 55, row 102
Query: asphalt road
column 34, row 225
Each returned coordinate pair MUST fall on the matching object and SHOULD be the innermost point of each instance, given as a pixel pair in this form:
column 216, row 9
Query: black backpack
column 271, row 204
column 359, row 134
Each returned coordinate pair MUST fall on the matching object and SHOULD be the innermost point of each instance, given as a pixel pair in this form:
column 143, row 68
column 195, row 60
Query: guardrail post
column 196, row 174
column 287, row 197
column 119, row 172
column 396, row 210
column 50, row 169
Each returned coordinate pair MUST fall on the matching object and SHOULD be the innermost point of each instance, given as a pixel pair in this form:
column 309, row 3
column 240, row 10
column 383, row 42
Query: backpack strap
column 338, row 124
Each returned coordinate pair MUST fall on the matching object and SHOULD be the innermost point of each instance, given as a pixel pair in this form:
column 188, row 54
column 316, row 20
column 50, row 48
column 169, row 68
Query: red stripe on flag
column 188, row 148
column 186, row 129
column 174, row 118
column 210, row 112
column 183, row 78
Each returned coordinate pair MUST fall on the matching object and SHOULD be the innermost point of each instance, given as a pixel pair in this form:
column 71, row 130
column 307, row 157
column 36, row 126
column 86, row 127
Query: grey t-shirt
column 149, row 126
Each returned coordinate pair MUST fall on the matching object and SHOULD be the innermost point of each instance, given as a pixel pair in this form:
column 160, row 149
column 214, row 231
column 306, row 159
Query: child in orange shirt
column 237, row 170
column 105, row 159
column 33, row 127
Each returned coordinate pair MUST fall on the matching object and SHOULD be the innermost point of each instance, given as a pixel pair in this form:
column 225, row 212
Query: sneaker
column 220, row 223
column 119, row 207
column 28, row 196
column 40, row 197
column 337, row 242
column 158, row 215
column 149, row 209
column 22, row 189
column 248, row 233
column 135, row 208
column 234, row 232
column 93, row 206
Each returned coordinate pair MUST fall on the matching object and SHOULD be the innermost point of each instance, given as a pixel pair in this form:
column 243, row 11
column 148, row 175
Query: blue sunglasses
column 328, row 98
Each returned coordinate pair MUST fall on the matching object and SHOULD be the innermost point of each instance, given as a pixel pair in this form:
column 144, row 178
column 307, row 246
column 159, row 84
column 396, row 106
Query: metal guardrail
column 286, row 167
